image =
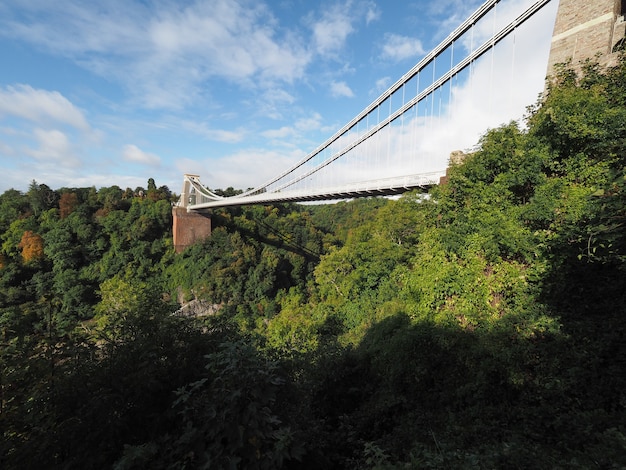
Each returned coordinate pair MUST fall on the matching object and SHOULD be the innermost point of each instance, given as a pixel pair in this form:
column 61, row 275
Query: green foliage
column 481, row 326
column 249, row 258
column 120, row 313
column 13, row 205
column 12, row 237
column 294, row 330
column 41, row 197
column 228, row 419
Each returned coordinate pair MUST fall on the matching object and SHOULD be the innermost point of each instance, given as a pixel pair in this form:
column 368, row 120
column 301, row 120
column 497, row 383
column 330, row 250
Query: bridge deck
column 381, row 187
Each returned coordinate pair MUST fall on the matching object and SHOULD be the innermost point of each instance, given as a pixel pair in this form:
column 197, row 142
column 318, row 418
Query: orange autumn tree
column 31, row 246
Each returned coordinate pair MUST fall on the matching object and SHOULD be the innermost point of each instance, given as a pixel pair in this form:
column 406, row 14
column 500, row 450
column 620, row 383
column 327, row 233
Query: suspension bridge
column 389, row 147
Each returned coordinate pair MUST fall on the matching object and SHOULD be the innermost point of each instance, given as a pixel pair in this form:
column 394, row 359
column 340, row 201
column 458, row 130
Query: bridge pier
column 189, row 228
column 588, row 29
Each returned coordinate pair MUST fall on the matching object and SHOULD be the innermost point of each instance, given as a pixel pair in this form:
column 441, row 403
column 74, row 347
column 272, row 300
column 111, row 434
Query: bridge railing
column 378, row 187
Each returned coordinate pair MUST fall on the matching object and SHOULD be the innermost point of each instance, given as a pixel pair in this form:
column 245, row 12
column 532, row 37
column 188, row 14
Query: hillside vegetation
column 481, row 326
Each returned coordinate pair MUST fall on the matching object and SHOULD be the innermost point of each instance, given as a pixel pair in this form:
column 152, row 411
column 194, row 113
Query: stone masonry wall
column 189, row 227
column 585, row 29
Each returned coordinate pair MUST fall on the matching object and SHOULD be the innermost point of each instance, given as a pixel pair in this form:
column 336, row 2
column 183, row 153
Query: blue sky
column 118, row 91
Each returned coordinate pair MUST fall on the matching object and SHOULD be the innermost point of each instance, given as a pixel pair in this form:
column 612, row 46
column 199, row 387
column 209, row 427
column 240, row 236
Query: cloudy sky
column 118, row 91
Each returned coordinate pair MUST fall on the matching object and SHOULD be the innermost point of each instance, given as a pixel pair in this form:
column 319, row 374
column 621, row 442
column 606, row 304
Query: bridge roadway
column 379, row 187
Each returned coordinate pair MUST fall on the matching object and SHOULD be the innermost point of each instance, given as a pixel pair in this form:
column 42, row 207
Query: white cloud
column 496, row 19
column 456, row 10
column 278, row 95
column 218, row 135
column 165, row 53
column 297, row 131
column 310, row 123
column 45, row 126
column 185, row 165
column 53, row 148
column 40, row 106
column 8, row 130
column 382, row 84
column 6, row 150
column 246, row 168
column 222, row 135
column 373, row 14
column 331, row 31
column 397, row 48
column 132, row 153
column 227, row 39
column 273, row 102
column 280, row 133
column 339, row 89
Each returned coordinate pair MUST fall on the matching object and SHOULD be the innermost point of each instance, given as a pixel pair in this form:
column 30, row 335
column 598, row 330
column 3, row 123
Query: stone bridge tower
column 586, row 29
column 189, row 227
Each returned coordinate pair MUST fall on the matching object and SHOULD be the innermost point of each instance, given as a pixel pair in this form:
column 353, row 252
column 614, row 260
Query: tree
column 41, row 197
column 111, row 198
column 13, row 204
column 229, row 418
column 12, row 237
column 31, row 246
column 67, row 203
column 228, row 192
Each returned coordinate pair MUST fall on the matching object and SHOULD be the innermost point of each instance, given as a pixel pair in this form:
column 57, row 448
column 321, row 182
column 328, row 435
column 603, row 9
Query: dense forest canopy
column 481, row 326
